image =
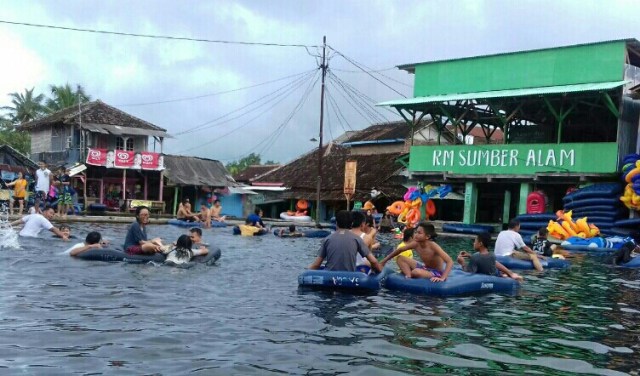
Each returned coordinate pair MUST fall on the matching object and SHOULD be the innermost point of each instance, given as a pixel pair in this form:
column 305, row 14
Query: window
column 124, row 143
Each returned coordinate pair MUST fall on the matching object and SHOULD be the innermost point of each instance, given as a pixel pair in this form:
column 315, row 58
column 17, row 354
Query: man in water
column 510, row 243
column 34, row 223
column 255, row 219
column 341, row 247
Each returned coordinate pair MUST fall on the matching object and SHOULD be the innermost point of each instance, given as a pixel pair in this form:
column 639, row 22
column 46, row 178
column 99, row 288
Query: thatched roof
column 253, row 172
column 182, row 170
column 300, row 175
column 99, row 117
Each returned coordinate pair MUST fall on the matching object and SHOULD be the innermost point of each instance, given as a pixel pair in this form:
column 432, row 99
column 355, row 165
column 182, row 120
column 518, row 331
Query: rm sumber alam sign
column 515, row 159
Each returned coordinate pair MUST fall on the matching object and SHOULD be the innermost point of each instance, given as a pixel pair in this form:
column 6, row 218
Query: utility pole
column 324, row 73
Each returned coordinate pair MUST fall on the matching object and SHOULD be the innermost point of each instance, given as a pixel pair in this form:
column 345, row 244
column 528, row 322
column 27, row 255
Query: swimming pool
column 247, row 316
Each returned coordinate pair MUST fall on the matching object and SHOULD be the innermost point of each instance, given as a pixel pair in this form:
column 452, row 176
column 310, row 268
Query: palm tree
column 26, row 107
column 64, row 96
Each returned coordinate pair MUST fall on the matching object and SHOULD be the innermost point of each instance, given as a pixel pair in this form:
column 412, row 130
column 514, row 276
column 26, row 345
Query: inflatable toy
column 295, row 218
column 302, row 207
column 115, row 255
column 517, row 264
column 208, row 259
column 396, row 208
column 341, row 280
column 457, row 283
column 462, row 228
column 181, row 223
column 536, row 203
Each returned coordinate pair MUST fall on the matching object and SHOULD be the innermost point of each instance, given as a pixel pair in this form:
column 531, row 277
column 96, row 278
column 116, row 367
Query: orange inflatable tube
column 396, row 207
column 431, row 208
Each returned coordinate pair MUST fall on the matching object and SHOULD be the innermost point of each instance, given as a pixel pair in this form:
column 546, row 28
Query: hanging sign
column 125, row 159
column 97, row 157
column 350, row 168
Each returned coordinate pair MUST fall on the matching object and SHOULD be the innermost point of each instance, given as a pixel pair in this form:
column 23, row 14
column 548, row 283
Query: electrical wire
column 219, row 137
column 168, row 37
column 359, row 93
column 362, row 110
column 215, row 94
column 276, row 93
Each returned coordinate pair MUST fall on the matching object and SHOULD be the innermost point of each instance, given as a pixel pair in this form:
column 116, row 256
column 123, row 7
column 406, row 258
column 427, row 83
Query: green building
column 566, row 115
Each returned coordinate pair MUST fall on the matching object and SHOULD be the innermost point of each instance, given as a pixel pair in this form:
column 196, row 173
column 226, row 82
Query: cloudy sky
column 224, row 100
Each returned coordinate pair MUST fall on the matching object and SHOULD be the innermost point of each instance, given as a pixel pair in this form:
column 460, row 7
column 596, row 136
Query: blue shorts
column 436, row 273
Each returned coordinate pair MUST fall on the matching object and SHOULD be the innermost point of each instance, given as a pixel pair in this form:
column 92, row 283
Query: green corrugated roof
column 506, row 93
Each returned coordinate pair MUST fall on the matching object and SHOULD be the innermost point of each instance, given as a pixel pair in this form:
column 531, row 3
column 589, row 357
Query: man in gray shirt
column 341, row 247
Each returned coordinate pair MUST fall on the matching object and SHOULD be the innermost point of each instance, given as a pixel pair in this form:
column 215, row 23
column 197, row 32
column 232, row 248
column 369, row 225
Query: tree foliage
column 242, row 164
column 28, row 106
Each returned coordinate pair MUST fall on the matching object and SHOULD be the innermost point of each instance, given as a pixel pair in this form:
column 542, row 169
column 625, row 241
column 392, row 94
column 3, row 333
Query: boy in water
column 483, row 261
column 432, row 256
column 93, row 240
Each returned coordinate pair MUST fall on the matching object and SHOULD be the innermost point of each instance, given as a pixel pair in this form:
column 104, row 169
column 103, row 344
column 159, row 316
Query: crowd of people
column 205, row 216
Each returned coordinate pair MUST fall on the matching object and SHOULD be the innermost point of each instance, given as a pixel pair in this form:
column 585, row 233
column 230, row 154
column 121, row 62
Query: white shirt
column 172, row 257
column 75, row 246
column 33, row 224
column 42, row 180
column 507, row 242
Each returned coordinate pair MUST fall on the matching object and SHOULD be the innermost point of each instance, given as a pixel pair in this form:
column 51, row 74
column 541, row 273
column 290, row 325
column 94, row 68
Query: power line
column 218, row 137
column 212, row 123
column 361, row 94
column 367, row 113
column 214, row 94
column 168, row 37
column 368, row 72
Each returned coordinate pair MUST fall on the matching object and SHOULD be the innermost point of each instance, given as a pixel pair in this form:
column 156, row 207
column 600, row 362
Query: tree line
column 28, row 106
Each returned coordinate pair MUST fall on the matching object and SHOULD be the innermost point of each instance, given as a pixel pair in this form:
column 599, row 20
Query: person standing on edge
column 19, row 193
column 43, row 180
column 510, row 243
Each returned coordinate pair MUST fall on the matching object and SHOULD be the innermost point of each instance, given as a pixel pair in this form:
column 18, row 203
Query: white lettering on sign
column 504, row 158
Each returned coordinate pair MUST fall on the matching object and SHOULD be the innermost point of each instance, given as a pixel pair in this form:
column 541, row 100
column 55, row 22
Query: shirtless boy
column 432, row 256
column 216, row 211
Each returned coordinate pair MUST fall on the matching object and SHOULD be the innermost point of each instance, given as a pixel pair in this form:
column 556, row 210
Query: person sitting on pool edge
column 341, row 247
column 183, row 251
column 92, row 241
column 184, row 212
column 483, row 261
column 432, row 256
column 34, row 223
column 136, row 243
column 216, row 212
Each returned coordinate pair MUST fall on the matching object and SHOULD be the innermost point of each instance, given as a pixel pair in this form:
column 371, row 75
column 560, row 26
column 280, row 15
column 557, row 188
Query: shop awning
column 504, row 93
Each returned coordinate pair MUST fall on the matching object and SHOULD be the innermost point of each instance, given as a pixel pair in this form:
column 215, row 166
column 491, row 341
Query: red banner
column 151, row 161
column 125, row 159
column 97, row 157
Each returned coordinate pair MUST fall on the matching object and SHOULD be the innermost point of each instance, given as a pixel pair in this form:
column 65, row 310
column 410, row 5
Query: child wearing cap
column 432, row 256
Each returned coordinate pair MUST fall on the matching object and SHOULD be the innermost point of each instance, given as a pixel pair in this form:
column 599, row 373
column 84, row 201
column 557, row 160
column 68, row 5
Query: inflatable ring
column 396, row 207
column 431, row 208
column 413, row 216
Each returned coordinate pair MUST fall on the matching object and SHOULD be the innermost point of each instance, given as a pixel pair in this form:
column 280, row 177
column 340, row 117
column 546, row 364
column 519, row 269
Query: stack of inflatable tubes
column 531, row 223
column 307, row 233
column 340, row 280
column 462, row 228
column 117, row 255
column 600, row 203
column 631, row 175
column 457, row 283
column 517, row 264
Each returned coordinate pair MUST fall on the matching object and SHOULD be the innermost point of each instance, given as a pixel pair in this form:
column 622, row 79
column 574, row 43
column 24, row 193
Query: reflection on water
column 246, row 315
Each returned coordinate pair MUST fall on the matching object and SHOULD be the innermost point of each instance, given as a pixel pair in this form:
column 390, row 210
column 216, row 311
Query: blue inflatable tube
column 631, row 223
column 612, row 202
column 634, row 263
column 457, row 283
column 463, row 228
column 216, row 224
column 595, row 190
column 517, row 264
column 303, row 233
column 544, row 217
column 587, row 249
column 340, row 280
column 181, row 223
column 116, row 255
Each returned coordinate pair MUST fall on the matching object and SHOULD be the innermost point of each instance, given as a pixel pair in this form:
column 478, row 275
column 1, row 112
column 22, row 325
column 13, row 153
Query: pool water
column 246, row 316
